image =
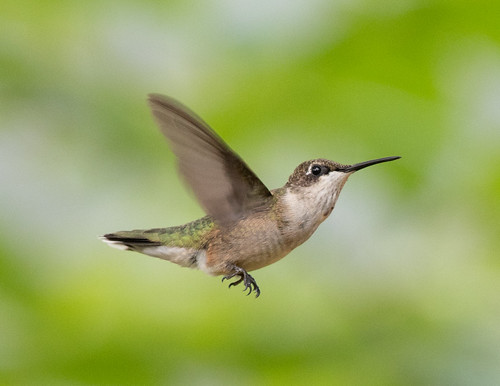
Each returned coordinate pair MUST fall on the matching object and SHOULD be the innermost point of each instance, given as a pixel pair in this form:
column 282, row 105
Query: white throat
column 309, row 206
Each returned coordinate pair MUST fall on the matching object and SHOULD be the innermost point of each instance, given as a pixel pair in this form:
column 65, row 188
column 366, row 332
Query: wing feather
column 221, row 181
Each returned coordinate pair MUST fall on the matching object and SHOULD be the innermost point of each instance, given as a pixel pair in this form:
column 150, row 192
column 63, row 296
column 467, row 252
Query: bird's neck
column 304, row 208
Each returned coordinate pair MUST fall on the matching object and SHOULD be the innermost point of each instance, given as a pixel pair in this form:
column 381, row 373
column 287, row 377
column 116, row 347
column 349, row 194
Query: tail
column 156, row 243
column 129, row 241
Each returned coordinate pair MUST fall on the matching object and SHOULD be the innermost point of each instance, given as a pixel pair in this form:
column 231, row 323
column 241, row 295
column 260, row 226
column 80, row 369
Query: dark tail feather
column 128, row 243
column 148, row 242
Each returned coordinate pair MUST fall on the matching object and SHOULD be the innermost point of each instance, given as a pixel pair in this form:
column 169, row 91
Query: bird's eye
column 316, row 170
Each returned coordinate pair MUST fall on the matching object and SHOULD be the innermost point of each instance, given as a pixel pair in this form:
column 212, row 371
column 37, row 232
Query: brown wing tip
column 160, row 101
column 155, row 96
column 155, row 100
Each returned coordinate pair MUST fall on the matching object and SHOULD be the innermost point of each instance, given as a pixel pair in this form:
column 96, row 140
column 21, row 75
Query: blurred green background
column 401, row 285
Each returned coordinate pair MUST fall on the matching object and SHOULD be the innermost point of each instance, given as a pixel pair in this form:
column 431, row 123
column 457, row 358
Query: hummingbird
column 247, row 226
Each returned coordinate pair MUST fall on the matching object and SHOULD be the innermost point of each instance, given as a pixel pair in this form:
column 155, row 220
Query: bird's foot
column 246, row 278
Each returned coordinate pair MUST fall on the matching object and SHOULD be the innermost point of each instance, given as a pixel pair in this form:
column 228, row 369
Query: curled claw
column 231, row 276
column 247, row 279
column 236, row 282
column 228, row 277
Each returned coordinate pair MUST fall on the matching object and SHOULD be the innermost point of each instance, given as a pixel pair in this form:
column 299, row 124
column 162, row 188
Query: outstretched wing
column 223, row 184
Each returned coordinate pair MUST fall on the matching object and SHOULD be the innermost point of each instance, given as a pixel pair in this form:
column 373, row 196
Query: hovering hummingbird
column 247, row 226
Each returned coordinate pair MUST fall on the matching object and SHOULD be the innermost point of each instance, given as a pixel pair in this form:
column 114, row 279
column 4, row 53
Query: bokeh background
column 401, row 285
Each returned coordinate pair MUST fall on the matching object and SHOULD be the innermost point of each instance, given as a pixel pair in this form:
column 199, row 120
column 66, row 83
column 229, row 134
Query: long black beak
column 362, row 165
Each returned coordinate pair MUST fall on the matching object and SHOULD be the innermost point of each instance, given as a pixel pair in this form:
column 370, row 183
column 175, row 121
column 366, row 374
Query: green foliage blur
column 400, row 286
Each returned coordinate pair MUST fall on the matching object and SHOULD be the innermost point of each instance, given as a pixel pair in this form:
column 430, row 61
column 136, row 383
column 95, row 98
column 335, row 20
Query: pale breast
column 252, row 244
